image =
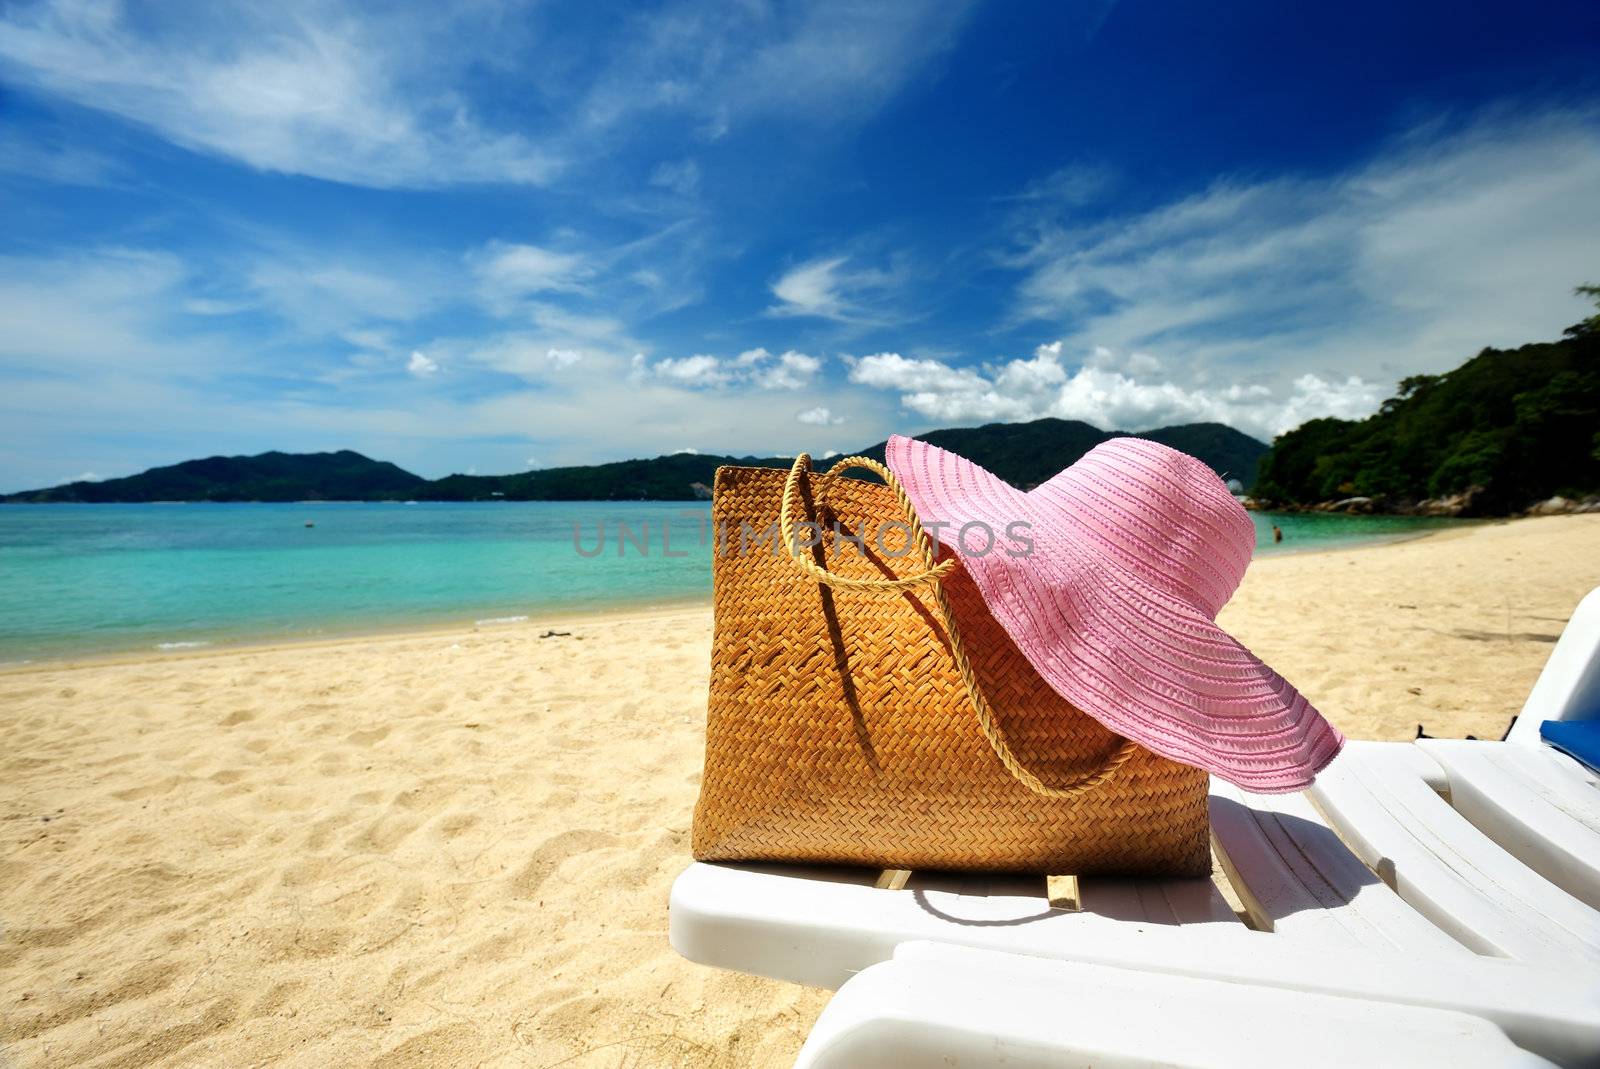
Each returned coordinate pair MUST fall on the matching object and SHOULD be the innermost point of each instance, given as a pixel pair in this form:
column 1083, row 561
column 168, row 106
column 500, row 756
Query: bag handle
column 932, row 572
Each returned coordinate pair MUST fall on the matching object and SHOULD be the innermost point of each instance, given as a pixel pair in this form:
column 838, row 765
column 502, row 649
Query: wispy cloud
column 331, row 291
column 94, row 309
column 509, row 272
column 721, row 64
column 830, row 288
column 381, row 97
column 1446, row 242
column 56, row 162
column 679, row 176
column 297, row 88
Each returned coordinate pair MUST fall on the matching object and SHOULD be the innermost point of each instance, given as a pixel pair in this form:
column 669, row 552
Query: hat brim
column 1148, row 664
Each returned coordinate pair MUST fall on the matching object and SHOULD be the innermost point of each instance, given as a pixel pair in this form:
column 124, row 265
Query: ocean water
column 88, row 579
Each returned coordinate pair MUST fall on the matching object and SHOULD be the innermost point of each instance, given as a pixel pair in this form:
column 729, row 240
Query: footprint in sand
column 549, row 855
column 149, row 790
column 383, row 835
column 453, row 825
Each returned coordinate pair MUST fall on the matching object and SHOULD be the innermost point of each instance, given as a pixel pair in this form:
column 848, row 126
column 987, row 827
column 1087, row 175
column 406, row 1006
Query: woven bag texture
column 839, row 729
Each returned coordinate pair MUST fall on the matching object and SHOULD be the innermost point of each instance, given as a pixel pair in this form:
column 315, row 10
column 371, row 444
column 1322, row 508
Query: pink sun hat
column 1134, row 549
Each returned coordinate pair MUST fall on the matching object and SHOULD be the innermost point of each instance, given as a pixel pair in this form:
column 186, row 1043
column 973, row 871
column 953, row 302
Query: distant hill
column 1508, row 428
column 1024, row 454
column 341, row 476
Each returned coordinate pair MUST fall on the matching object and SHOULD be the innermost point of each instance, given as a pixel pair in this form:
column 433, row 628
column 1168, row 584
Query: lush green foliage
column 1520, row 425
column 1022, row 453
column 1592, row 324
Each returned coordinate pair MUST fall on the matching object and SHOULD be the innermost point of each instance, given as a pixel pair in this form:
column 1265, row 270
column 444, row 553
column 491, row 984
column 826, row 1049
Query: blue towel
column 1577, row 738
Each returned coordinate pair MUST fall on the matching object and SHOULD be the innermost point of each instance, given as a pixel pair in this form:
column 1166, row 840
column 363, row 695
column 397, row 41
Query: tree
column 1592, row 324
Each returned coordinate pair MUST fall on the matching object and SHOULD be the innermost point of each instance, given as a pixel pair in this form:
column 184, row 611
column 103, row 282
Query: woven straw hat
column 1111, row 590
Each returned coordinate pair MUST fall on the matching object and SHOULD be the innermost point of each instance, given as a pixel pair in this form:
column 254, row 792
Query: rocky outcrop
column 1466, row 503
column 1562, row 506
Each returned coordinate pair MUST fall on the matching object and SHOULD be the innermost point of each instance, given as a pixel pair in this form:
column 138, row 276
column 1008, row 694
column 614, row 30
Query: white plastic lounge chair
column 822, row 926
column 1542, row 805
column 1569, row 686
column 933, row 1004
column 1507, row 875
column 1449, row 869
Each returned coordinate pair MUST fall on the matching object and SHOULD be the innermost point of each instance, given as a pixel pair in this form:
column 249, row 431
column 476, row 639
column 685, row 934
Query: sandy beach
column 454, row 848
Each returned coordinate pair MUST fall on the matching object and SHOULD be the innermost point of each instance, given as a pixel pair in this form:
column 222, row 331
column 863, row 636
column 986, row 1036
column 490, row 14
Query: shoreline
column 555, row 615
column 1459, row 528
column 397, row 633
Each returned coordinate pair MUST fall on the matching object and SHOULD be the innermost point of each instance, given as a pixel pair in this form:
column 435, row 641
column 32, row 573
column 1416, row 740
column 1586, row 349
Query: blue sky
column 501, row 235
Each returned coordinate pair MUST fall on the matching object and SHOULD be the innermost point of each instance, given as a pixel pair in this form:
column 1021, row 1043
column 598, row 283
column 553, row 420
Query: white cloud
column 323, row 292
column 421, row 365
column 1413, row 262
column 891, row 371
column 680, row 176
column 812, row 289
column 85, row 477
column 791, row 371
column 695, row 371
column 387, row 96
column 719, row 64
column 819, row 417
column 1110, row 392
column 99, row 308
column 1070, row 186
column 756, row 368
column 826, row 288
column 306, row 89
column 533, row 355
column 508, row 272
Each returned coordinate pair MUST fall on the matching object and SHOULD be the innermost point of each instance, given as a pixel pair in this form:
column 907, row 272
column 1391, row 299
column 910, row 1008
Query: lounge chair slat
column 1166, row 902
column 819, row 926
column 1446, row 868
column 1553, row 776
column 1555, row 837
column 943, row 1005
column 1297, row 879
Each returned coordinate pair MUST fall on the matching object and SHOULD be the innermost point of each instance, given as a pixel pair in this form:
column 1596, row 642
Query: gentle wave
column 501, row 620
column 180, row 645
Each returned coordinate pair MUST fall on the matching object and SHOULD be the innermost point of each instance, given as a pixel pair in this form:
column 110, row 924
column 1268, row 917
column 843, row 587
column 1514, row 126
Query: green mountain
column 341, row 476
column 1508, row 428
column 1024, row 454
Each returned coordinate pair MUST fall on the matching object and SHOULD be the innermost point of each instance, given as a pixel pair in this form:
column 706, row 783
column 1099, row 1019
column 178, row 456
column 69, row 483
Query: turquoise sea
column 89, row 579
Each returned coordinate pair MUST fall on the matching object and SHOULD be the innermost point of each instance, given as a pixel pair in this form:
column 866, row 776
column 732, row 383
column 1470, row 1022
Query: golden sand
column 454, row 848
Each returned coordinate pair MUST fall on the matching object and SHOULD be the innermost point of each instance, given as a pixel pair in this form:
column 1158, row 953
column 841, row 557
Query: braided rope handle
column 932, row 572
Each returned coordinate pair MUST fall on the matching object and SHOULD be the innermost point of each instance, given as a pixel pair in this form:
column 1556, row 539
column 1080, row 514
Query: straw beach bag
column 866, row 708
